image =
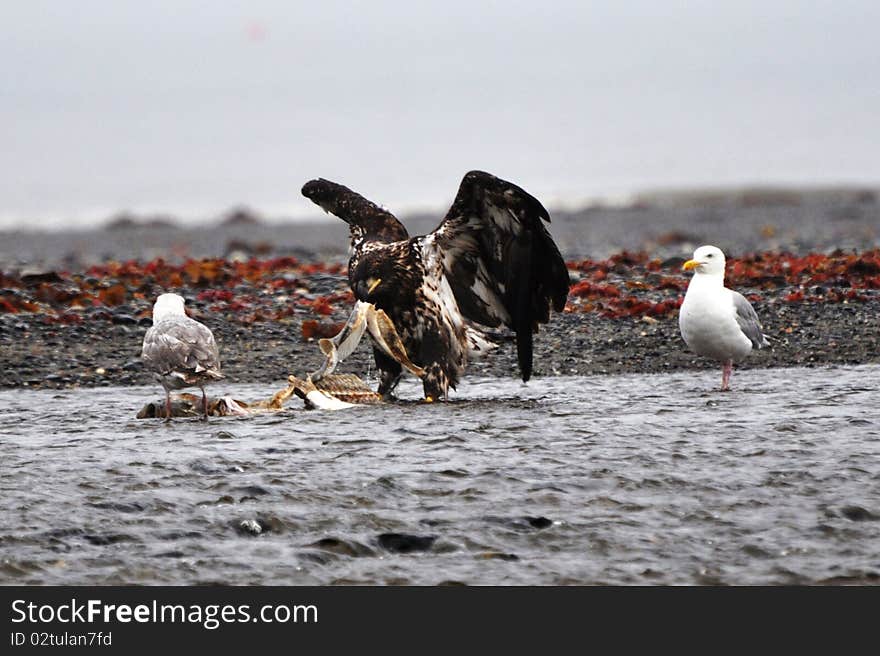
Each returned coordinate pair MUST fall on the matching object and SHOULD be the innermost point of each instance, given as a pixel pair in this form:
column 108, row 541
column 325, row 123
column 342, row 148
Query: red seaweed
column 625, row 285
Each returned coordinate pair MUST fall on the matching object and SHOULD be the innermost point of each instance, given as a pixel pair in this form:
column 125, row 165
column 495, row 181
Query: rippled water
column 607, row 479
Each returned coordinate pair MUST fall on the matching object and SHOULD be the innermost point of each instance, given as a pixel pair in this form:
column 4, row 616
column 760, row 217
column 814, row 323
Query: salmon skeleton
column 322, row 389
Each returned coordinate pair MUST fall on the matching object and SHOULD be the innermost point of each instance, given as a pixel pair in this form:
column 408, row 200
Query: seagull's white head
column 707, row 260
column 168, row 305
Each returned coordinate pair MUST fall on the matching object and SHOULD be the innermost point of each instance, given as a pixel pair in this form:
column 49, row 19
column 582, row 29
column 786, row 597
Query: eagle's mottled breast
column 415, row 293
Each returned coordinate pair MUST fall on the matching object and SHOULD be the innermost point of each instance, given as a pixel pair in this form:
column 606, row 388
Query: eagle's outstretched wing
column 374, row 221
column 499, row 259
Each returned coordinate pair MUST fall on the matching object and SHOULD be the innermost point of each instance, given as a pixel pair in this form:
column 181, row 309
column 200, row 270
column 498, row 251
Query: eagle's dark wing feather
column 361, row 214
column 499, row 259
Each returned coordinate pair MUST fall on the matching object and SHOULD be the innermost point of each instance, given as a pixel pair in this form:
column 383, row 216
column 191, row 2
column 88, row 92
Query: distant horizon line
column 662, row 196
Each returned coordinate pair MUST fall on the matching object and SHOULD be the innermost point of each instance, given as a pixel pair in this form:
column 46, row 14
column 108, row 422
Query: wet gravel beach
column 619, row 463
column 108, row 353
column 78, row 316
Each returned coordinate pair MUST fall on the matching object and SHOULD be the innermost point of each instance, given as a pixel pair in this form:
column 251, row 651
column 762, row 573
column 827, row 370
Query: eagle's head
column 382, row 278
column 369, row 289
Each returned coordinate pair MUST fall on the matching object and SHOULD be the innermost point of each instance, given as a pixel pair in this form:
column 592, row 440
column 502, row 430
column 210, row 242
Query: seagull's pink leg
column 167, row 406
column 725, row 377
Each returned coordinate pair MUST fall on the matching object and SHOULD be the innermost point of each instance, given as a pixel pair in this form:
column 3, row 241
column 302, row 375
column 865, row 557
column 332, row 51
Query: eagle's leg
column 435, row 383
column 167, row 406
column 390, row 372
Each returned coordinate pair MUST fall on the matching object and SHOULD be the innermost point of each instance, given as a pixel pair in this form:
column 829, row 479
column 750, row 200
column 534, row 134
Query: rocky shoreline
column 84, row 328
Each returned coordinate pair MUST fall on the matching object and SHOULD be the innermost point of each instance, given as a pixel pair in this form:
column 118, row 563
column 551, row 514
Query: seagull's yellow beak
column 373, row 285
column 690, row 264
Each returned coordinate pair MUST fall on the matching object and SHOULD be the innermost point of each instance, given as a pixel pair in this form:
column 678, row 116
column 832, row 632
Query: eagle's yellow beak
column 690, row 264
column 373, row 285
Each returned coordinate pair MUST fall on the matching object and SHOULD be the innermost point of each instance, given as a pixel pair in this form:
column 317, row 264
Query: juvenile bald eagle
column 491, row 262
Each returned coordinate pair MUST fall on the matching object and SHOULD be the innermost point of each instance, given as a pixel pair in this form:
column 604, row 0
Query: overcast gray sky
column 191, row 107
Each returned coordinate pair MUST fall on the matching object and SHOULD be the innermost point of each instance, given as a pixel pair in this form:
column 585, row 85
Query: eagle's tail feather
column 524, row 353
column 523, row 320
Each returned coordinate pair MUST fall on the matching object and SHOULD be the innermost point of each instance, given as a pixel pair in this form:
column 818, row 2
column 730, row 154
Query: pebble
column 250, row 527
column 342, row 547
column 858, row 514
column 405, row 543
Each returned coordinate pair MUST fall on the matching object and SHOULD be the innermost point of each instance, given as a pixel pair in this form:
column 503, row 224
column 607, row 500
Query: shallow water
column 595, row 480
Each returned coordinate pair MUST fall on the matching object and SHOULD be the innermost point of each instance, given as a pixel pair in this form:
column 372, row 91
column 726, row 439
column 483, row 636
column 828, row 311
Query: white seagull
column 181, row 352
column 717, row 322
